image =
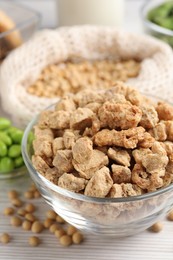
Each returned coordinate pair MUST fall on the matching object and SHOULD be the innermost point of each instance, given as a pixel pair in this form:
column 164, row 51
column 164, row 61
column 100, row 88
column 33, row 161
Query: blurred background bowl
column 14, row 173
column 152, row 28
column 26, row 22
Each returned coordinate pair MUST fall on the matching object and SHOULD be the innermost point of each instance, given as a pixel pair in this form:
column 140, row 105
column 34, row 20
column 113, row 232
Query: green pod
column 3, row 149
column 6, row 164
column 4, row 123
column 5, row 138
column 14, row 151
column 18, row 162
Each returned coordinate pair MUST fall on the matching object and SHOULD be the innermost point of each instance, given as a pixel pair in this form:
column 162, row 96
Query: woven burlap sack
column 24, row 65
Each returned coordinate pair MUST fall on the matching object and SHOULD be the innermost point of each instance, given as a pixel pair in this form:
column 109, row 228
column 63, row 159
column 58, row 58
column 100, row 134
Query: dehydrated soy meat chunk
column 119, row 115
column 63, row 161
column 125, row 138
column 81, row 118
column 100, row 184
column 154, row 163
column 149, row 116
column 87, row 168
column 165, row 111
column 71, row 182
column 40, row 165
column 54, row 119
column 119, row 155
column 42, row 147
column 58, row 144
column 82, row 150
column 120, row 174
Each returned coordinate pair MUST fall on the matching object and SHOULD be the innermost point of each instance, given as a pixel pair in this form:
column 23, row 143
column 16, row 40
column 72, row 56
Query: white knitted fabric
column 23, row 66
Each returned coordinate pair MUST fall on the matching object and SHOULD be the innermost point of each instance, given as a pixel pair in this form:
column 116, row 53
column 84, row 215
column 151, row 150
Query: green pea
column 3, row 149
column 18, row 162
column 4, row 123
column 14, row 151
column 6, row 164
column 5, row 138
column 17, row 136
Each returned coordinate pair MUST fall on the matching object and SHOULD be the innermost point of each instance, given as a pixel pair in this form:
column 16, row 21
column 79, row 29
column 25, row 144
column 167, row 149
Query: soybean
column 77, row 238
column 18, row 162
column 17, row 202
column 14, row 151
column 65, row 240
column 5, row 138
column 26, row 225
column 157, row 227
column 10, row 146
column 37, row 227
column 6, row 165
column 30, row 217
column 12, row 194
column 4, row 123
column 37, row 194
column 59, row 233
column 48, row 222
column 16, row 221
column 51, row 214
column 21, row 212
column 8, row 211
column 3, row 149
column 17, row 136
column 60, row 220
column 29, row 195
column 5, row 238
column 170, row 216
column 30, row 208
column 34, row 241
column 53, row 228
column 71, row 230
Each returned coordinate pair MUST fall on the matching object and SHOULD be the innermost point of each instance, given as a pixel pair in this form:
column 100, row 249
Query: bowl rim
column 152, row 25
column 36, row 16
column 77, row 196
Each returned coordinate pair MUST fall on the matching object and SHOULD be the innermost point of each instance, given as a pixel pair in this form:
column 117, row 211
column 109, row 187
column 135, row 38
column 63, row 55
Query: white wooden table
column 144, row 246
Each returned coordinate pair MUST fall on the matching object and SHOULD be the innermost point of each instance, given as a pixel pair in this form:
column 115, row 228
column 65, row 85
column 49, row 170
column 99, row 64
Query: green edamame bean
column 11, row 130
column 17, row 136
column 18, row 162
column 3, row 149
column 5, row 138
column 14, row 151
column 6, row 164
column 31, row 137
column 4, row 123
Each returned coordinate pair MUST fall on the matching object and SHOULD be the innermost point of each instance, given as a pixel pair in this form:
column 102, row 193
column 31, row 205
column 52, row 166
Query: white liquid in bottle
column 97, row 12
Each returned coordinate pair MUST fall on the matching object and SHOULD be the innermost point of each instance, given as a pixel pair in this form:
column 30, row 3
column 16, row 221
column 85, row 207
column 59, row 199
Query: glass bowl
column 153, row 29
column 13, row 174
column 116, row 217
column 25, row 21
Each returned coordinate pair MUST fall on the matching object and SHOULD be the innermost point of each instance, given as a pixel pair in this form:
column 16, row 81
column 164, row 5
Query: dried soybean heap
column 110, row 143
column 59, row 79
column 23, row 217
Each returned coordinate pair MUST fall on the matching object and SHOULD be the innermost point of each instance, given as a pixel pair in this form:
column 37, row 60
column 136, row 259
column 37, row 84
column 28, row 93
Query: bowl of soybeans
column 11, row 160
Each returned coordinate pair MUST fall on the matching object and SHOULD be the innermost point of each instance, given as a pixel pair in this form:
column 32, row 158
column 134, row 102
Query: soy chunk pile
column 10, row 146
